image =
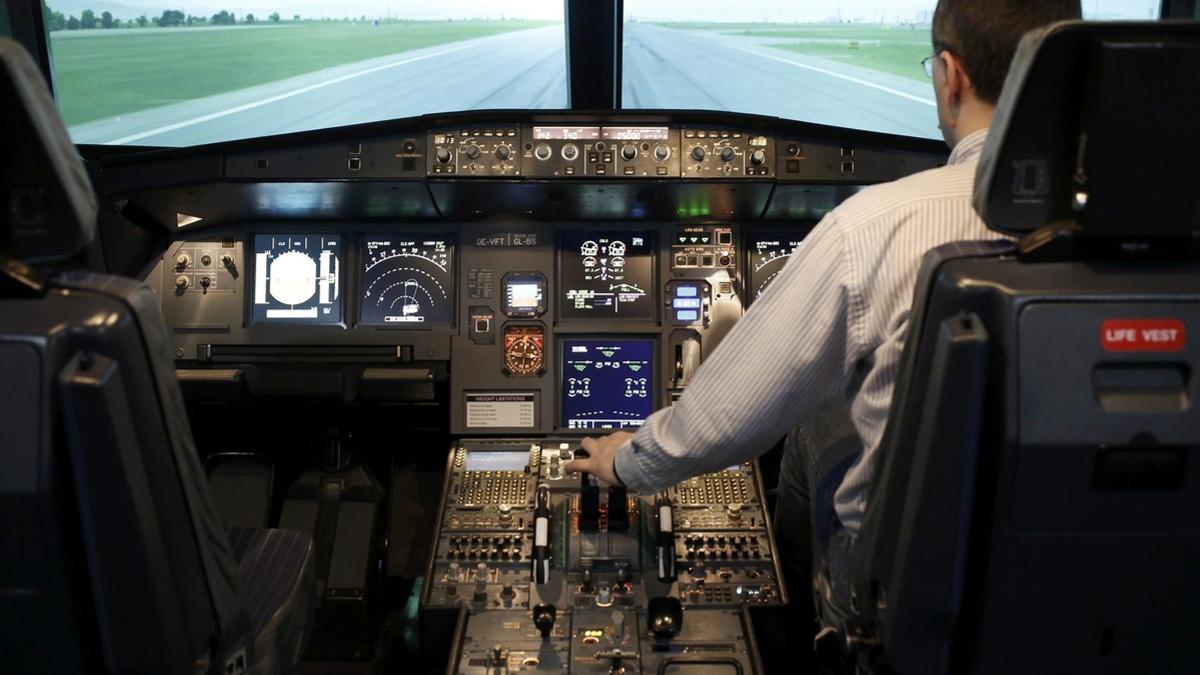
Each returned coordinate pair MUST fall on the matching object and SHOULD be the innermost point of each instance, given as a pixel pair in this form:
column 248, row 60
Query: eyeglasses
column 927, row 64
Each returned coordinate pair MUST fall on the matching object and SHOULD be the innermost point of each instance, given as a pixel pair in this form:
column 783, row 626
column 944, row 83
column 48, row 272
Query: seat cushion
column 276, row 571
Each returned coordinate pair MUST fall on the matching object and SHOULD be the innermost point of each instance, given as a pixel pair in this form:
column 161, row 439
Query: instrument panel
column 549, row 328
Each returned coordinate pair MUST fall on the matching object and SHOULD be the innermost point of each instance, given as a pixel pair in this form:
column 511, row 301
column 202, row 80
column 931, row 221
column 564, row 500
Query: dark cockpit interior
column 304, row 400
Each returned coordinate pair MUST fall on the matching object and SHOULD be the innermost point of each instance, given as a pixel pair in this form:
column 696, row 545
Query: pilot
column 828, row 334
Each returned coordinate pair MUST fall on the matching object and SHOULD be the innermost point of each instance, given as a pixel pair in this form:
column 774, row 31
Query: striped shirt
column 830, row 327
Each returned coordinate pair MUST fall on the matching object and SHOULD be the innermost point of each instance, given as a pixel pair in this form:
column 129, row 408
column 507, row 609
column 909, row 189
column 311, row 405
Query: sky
column 646, row 10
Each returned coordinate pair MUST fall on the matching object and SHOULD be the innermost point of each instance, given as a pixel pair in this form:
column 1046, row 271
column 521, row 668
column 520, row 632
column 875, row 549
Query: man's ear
column 958, row 83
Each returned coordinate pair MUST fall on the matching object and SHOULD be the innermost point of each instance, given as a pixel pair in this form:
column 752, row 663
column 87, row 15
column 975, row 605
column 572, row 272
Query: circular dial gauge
column 767, row 259
column 406, row 282
column 525, row 350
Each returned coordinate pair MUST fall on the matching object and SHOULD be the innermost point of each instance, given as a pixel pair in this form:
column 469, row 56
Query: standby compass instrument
column 297, row 278
column 407, row 282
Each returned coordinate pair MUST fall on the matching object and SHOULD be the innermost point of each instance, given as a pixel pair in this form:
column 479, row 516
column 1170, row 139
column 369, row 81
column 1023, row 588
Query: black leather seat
column 115, row 559
column 1035, row 509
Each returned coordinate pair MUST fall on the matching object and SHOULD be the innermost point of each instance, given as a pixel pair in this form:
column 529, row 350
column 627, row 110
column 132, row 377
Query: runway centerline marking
column 278, row 97
column 840, row 76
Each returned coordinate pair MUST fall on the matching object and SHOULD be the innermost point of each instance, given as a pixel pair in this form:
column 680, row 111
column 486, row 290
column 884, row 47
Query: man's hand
column 603, row 452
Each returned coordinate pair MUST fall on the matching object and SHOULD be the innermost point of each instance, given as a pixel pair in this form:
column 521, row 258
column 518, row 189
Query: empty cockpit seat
column 1035, row 506
column 114, row 557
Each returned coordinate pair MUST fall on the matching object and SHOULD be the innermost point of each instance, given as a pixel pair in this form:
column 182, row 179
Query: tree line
column 87, row 20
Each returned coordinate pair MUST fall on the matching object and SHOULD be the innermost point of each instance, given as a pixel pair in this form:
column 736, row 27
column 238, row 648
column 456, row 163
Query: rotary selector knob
column 542, row 151
column 183, row 260
column 227, row 260
column 727, row 154
column 182, row 282
column 662, row 152
column 698, row 153
column 503, row 152
column 443, row 156
column 629, row 152
column 206, row 260
column 205, row 282
column 472, row 152
column 758, row 157
column 570, row 152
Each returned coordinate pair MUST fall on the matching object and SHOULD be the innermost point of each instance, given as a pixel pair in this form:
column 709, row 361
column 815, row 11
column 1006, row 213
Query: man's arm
column 785, row 356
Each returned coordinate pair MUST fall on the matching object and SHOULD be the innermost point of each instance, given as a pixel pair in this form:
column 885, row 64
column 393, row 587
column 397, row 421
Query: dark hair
column 984, row 34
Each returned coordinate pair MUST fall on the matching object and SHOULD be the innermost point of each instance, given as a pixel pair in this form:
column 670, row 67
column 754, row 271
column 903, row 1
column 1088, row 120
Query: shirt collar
column 969, row 148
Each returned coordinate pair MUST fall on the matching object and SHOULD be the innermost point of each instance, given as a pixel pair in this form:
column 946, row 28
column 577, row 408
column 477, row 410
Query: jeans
column 814, row 549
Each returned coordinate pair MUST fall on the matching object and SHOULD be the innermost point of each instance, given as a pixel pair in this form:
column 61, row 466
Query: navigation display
column 607, row 274
column 769, row 252
column 297, row 278
column 407, row 282
column 606, row 383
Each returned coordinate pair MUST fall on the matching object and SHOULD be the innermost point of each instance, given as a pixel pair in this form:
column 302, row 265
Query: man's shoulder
column 952, row 184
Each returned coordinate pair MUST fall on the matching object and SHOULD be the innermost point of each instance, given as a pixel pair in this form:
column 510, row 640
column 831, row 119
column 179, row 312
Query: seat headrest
column 47, row 207
column 1096, row 126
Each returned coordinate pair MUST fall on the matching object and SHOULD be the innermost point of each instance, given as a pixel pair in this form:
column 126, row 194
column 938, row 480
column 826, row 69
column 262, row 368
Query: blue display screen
column 606, row 383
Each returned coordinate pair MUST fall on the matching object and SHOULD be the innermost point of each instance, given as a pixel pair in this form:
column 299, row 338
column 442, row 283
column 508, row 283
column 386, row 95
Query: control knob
column 543, row 619
column 698, row 153
column 205, row 282
column 661, row 152
column 182, row 282
column 570, row 152
column 503, row 152
column 443, row 156
column 472, row 152
column 206, row 260
column 542, row 151
column 758, row 157
column 183, row 260
column 629, row 152
column 227, row 260
column 727, row 154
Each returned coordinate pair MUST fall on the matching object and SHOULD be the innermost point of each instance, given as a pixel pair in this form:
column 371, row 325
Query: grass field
column 101, row 76
column 891, row 49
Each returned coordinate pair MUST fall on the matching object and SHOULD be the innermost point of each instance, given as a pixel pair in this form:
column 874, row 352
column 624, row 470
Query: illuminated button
column 686, row 291
column 686, row 303
column 687, row 315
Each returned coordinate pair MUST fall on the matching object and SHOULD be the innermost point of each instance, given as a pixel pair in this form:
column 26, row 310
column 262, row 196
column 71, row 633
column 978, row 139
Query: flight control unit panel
column 550, row 570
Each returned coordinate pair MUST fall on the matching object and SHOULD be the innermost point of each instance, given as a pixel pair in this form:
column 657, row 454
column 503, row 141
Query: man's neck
column 974, row 117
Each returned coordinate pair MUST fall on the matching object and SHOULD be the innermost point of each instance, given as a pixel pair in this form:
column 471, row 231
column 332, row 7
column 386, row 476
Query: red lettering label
column 1143, row 335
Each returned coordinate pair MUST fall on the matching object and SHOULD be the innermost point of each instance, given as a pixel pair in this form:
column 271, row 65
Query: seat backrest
column 1035, row 506
column 114, row 559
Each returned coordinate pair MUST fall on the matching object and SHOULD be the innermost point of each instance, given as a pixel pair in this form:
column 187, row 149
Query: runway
column 663, row 68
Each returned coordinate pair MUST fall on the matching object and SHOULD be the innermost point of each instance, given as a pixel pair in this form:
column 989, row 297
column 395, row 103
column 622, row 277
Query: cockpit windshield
column 166, row 73
column 845, row 63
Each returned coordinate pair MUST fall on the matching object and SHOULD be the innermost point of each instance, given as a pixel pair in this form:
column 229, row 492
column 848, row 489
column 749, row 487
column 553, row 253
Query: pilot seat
column 1035, row 503
column 114, row 556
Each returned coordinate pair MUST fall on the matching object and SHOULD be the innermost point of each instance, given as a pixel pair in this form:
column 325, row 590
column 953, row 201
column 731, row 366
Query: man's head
column 973, row 45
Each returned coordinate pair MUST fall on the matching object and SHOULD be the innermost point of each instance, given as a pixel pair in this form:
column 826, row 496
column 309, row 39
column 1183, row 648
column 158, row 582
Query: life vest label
column 1143, row 335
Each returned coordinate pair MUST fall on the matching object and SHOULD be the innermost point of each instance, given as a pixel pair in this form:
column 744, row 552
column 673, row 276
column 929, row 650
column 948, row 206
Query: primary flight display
column 297, row 278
